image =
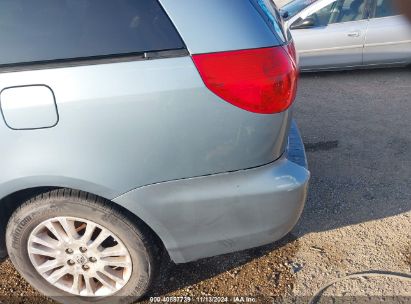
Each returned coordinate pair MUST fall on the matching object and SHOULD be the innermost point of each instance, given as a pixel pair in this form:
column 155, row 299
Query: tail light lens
column 257, row 80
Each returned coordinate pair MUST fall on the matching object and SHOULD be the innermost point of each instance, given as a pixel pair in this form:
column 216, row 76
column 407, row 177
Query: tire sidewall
column 31, row 215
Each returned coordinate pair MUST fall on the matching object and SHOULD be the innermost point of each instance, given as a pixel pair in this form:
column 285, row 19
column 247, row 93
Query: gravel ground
column 356, row 128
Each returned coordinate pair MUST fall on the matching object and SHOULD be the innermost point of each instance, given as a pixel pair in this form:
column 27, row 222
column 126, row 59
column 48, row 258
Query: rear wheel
column 76, row 247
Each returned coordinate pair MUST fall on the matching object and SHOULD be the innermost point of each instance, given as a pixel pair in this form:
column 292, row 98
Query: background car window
column 385, row 8
column 322, row 16
column 349, row 10
column 296, row 6
column 44, row 30
column 339, row 11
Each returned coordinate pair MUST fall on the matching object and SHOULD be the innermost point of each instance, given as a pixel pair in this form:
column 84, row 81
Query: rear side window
column 337, row 11
column 49, row 30
column 385, row 8
column 296, row 6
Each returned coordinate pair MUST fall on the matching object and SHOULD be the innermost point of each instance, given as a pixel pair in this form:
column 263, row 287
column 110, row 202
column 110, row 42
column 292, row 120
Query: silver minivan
column 133, row 130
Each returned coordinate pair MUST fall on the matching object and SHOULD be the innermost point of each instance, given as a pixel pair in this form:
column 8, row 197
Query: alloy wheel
column 79, row 256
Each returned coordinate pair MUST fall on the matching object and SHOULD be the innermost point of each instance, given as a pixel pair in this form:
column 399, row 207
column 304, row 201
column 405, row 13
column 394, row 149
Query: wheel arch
column 11, row 201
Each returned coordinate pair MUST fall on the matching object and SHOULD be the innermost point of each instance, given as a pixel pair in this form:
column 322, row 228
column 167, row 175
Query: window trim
column 93, row 60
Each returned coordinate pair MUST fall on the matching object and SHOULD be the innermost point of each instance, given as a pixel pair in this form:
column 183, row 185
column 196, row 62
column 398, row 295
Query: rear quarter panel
column 129, row 124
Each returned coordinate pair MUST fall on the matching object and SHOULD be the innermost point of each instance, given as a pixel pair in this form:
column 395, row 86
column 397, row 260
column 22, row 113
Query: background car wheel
column 79, row 248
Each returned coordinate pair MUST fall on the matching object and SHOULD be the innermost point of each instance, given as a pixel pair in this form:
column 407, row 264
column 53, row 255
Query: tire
column 29, row 220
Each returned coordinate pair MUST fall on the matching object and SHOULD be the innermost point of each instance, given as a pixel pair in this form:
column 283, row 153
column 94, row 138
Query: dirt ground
column 356, row 128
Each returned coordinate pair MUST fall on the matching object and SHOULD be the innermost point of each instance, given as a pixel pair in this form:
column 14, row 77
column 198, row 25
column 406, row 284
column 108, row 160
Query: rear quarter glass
column 43, row 31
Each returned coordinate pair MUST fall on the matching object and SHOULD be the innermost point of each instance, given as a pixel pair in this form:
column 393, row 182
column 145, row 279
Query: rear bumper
column 216, row 214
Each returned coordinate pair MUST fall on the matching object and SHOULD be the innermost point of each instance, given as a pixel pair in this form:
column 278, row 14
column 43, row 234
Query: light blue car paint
column 146, row 133
column 226, row 212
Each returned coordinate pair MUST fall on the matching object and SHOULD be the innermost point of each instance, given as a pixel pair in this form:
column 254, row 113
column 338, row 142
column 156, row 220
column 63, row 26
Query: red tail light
column 257, row 80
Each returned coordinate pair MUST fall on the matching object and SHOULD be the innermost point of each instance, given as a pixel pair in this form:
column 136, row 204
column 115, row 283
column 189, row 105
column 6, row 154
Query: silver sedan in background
column 345, row 34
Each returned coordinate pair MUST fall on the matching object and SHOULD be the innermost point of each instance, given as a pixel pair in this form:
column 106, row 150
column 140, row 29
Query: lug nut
column 71, row 262
column 86, row 267
column 83, row 249
column 92, row 259
column 69, row 251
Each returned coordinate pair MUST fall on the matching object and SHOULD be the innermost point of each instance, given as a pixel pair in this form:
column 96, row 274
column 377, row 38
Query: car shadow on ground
column 355, row 127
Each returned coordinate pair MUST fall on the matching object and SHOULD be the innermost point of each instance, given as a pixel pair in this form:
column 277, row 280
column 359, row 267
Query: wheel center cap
column 80, row 259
